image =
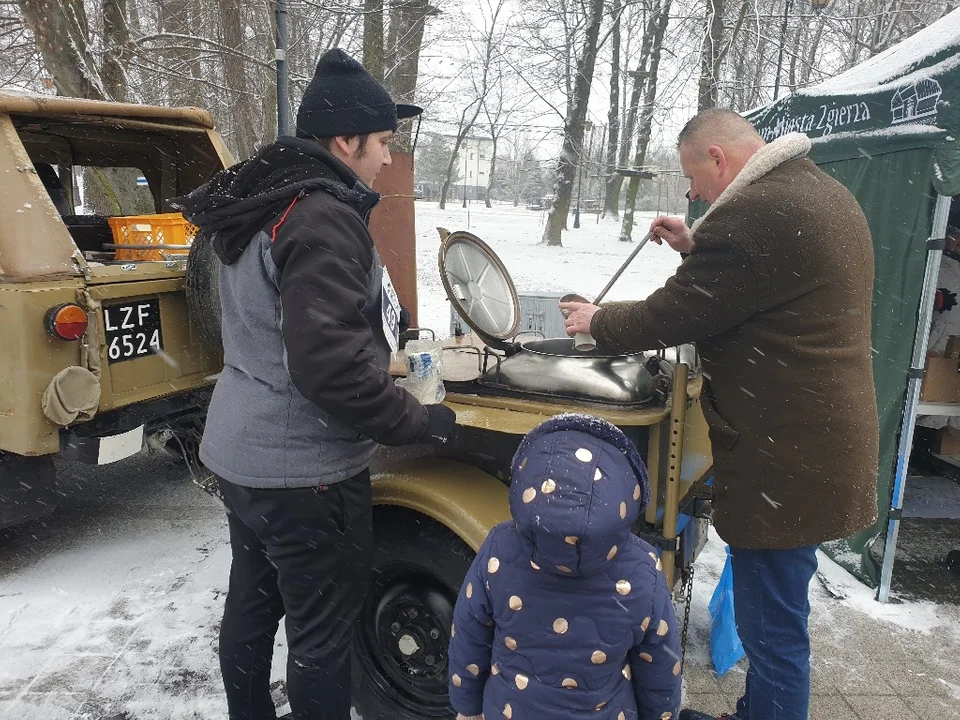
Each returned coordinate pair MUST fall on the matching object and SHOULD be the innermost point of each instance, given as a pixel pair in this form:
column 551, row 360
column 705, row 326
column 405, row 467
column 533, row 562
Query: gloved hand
column 441, row 426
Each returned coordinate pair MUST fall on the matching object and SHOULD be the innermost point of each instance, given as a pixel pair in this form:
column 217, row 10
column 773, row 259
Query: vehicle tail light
column 67, row 322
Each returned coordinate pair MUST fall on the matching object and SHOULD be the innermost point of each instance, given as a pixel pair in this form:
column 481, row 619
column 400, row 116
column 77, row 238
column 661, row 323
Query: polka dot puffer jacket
column 564, row 612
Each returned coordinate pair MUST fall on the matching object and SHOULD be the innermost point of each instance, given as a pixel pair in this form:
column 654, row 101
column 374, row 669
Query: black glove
column 441, row 426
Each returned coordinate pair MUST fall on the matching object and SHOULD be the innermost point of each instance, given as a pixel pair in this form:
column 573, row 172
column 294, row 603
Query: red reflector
column 67, row 322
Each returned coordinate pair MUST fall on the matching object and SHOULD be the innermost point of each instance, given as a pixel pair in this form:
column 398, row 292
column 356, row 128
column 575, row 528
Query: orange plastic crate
column 162, row 229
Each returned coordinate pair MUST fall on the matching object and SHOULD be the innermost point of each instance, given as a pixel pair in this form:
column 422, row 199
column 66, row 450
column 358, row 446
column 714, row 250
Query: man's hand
column 441, row 428
column 674, row 230
column 579, row 315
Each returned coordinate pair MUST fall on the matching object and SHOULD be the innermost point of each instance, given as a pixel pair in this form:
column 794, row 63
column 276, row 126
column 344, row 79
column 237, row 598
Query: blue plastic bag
column 725, row 646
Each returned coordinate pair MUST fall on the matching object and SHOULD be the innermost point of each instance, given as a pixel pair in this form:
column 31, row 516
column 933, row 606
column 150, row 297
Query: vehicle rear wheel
column 203, row 289
column 28, row 488
column 401, row 637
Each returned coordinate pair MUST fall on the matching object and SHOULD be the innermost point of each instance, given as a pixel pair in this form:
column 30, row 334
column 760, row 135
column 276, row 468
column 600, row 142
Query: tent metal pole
column 908, row 424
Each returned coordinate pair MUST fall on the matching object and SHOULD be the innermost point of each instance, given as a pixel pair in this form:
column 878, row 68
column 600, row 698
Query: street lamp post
column 478, row 172
column 464, row 173
column 283, row 72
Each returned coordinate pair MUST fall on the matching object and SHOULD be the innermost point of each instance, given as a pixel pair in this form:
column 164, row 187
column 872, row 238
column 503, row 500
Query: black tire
column 28, row 488
column 401, row 637
column 203, row 290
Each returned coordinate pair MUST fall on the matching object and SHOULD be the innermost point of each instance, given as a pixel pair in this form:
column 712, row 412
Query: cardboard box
column 941, row 380
column 947, row 441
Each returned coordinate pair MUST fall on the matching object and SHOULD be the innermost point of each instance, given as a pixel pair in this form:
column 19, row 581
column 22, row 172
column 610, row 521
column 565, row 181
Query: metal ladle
column 584, row 342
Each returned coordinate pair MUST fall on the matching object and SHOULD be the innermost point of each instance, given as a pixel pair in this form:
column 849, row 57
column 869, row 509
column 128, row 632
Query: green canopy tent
column 889, row 129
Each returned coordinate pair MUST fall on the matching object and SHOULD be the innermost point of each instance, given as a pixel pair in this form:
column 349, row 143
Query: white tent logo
column 916, row 102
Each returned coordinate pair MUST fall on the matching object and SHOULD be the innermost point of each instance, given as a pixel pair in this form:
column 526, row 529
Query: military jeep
column 99, row 355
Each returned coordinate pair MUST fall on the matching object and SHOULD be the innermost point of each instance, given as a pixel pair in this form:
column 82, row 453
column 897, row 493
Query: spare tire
column 203, row 290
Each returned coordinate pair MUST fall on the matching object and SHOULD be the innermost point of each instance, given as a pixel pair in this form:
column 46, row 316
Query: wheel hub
column 407, row 631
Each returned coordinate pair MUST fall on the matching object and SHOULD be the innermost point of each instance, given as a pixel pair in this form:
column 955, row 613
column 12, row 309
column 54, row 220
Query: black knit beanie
column 344, row 99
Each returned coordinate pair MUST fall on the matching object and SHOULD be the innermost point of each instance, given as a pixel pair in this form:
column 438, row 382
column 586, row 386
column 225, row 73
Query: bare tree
column 586, row 48
column 500, row 106
column 631, row 112
column 484, row 51
column 715, row 48
column 611, row 196
column 658, row 20
column 373, row 59
column 238, row 77
column 760, row 36
column 62, row 34
column 408, row 19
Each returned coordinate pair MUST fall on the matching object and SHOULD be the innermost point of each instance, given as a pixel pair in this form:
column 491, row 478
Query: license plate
column 132, row 330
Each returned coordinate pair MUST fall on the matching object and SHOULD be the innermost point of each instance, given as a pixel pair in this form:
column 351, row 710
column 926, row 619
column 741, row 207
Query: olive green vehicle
column 102, row 355
column 98, row 353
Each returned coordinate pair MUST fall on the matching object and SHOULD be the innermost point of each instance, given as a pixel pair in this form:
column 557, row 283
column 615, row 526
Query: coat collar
column 785, row 148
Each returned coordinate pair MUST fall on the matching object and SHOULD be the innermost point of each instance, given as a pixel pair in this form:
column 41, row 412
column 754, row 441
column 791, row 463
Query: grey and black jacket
column 305, row 394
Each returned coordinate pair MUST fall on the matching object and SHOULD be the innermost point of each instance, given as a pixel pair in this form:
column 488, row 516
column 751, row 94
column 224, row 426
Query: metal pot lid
column 479, row 286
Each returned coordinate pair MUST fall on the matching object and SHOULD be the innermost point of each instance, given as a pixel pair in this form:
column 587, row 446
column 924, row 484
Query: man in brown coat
column 776, row 292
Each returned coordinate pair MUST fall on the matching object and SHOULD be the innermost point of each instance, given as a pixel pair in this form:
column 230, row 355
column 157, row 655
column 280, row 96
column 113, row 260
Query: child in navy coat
column 565, row 613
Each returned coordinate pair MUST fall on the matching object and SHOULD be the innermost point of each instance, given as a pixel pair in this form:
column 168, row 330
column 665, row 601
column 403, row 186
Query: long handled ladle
column 584, row 342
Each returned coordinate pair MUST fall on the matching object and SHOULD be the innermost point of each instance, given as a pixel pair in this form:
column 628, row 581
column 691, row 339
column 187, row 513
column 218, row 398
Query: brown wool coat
column 777, row 296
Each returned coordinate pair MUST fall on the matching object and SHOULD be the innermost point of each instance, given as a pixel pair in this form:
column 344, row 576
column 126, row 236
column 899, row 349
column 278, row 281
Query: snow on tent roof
column 910, row 88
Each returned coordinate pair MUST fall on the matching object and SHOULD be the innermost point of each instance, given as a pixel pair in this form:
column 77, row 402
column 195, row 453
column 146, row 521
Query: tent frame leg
column 909, row 422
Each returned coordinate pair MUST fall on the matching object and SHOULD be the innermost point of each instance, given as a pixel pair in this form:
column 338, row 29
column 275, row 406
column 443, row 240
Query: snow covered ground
column 111, row 607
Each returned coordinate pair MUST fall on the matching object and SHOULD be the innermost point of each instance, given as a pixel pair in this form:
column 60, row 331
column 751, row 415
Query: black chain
column 688, row 601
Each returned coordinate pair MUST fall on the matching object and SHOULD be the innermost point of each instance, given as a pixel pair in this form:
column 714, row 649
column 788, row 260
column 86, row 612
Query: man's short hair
column 326, row 142
column 717, row 125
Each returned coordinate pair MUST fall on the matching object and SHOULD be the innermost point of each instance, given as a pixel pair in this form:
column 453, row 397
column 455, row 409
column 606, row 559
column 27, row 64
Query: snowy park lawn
column 590, row 255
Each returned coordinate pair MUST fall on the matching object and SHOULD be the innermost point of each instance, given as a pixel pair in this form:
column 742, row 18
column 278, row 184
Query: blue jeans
column 772, row 604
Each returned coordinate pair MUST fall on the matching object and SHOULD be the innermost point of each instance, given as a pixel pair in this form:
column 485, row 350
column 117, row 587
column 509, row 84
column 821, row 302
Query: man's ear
column 718, row 158
column 345, row 145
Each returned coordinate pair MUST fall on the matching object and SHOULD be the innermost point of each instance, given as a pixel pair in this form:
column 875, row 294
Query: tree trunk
column 812, row 52
column 718, row 59
column 493, row 167
column 573, row 128
column 373, row 37
column 611, row 196
column 463, row 130
column 707, row 92
column 62, row 36
column 643, row 138
column 756, row 86
column 798, row 38
column 401, row 77
column 117, row 48
column 175, row 16
column 237, row 79
column 636, row 93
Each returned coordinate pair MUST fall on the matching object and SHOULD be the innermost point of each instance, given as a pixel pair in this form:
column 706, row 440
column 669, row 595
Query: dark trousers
column 302, row 554
column 772, row 606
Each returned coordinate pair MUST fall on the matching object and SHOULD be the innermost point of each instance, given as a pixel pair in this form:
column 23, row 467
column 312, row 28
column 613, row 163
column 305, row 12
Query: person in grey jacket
column 308, row 323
